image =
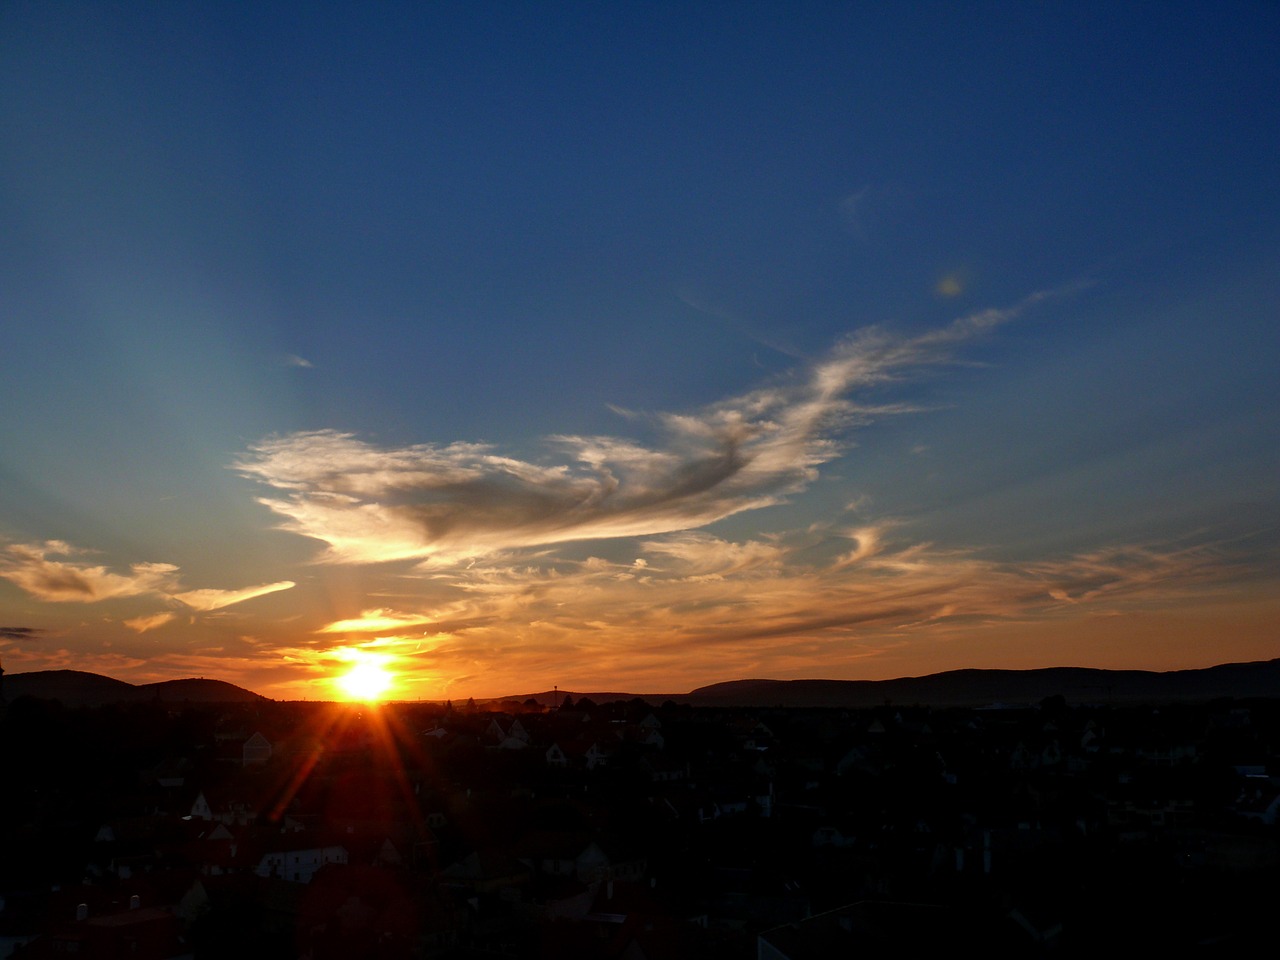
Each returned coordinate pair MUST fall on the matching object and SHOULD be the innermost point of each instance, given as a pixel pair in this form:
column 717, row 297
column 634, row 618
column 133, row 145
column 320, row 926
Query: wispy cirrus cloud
column 1115, row 573
column 51, row 572
column 372, row 504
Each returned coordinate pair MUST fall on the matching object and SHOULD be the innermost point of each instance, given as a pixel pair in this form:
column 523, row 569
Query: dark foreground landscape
column 1040, row 813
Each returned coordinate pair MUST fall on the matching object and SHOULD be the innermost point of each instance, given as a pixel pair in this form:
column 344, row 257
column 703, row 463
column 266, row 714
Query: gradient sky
column 637, row 346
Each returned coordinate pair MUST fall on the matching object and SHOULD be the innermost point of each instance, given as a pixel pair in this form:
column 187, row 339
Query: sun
column 367, row 680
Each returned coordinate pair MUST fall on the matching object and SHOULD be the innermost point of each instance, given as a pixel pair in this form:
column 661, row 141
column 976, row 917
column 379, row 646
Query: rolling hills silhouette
column 952, row 688
column 82, row 689
column 979, row 687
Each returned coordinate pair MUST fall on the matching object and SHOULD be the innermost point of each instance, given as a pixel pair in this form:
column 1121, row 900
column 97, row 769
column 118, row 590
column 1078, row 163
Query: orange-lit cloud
column 143, row 624
column 377, row 621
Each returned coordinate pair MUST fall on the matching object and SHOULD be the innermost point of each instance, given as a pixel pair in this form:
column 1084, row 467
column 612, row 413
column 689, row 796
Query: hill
column 197, row 690
column 78, row 688
column 980, row 687
column 553, row 698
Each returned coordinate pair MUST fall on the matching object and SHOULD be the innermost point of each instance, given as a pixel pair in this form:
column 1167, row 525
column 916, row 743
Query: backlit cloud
column 377, row 621
column 32, row 568
column 372, row 504
column 213, row 599
column 48, row 572
column 143, row 624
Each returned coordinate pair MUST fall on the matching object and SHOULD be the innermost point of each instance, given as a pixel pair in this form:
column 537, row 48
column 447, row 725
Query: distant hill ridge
column 80, row 688
column 981, row 687
column 971, row 687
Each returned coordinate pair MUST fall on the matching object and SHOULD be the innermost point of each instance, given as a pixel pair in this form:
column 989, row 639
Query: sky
column 636, row 346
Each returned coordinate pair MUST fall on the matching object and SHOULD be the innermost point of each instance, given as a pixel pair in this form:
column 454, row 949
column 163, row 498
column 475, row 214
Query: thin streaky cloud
column 735, row 324
column 143, row 624
column 378, row 621
column 293, row 360
column 214, row 599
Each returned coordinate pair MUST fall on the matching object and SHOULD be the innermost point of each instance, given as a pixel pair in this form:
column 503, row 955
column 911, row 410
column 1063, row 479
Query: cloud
column 853, row 211
column 734, row 323
column 867, row 542
column 293, row 360
column 63, row 581
column 868, row 211
column 1116, row 573
column 20, row 633
column 378, row 621
column 701, row 556
column 33, row 569
column 143, row 624
column 447, row 503
column 213, row 599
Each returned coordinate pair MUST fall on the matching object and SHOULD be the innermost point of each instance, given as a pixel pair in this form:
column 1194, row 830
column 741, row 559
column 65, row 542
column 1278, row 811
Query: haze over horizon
column 637, row 347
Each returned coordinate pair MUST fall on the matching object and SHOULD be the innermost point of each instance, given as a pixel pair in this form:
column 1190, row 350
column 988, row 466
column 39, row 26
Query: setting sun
column 368, row 679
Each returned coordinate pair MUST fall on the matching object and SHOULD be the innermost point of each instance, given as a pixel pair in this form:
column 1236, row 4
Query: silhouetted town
column 635, row 829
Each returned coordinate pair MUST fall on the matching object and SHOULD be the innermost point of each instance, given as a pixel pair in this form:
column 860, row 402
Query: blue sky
column 636, row 345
